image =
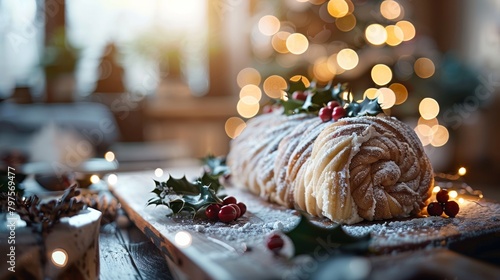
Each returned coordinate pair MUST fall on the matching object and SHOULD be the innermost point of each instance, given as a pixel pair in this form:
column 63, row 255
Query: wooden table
column 220, row 252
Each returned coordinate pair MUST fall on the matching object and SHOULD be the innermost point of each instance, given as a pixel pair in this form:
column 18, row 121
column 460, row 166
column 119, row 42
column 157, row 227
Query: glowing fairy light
column 59, row 257
column 112, row 179
column 436, row 189
column 109, row 156
column 94, row 179
column 158, row 172
column 461, row 200
column 183, row 239
column 453, row 194
column 462, row 171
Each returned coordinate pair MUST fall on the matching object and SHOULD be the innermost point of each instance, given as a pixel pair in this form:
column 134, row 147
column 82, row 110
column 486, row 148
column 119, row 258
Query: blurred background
column 153, row 82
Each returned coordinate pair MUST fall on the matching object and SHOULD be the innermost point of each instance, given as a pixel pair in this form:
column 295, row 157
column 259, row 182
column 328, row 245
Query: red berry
column 434, row 209
column 229, row 200
column 338, row 112
column 451, row 208
column 442, row 196
column 238, row 211
column 275, row 243
column 325, row 114
column 243, row 208
column 227, row 214
column 332, row 104
column 299, row 95
column 212, row 211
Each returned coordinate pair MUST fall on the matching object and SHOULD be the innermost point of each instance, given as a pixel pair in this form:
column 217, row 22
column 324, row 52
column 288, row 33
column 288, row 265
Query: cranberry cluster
column 226, row 212
column 332, row 110
column 443, row 204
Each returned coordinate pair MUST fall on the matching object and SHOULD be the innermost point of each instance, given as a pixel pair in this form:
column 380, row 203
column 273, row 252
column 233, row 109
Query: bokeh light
column 440, row 136
column 248, row 106
column 407, row 28
column 400, row 92
column 321, row 71
column 347, row 59
column 424, row 67
column 390, row 9
column 279, row 41
column 386, row 98
column 381, row 74
column 59, row 257
column 395, row 35
column 158, row 172
column 376, row 34
column 234, row 126
column 370, row 93
column 297, row 43
column 346, row 23
column 109, row 156
column 183, row 239
column 112, row 179
column 338, row 8
column 94, row 179
column 333, row 66
column 248, row 76
column 430, row 122
column 453, row 194
column 251, row 90
column 274, row 86
column 428, row 108
column 269, row 25
column 462, row 171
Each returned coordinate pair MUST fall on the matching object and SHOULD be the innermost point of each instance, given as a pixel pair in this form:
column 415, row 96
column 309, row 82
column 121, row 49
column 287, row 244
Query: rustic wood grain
column 212, row 257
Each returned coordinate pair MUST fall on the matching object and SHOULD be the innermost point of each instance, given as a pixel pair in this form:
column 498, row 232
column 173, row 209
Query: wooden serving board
column 237, row 250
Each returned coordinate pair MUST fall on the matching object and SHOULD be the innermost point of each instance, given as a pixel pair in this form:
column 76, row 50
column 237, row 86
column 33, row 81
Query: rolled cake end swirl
column 361, row 168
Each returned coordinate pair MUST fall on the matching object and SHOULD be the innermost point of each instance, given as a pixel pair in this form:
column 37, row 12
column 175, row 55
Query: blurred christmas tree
column 372, row 45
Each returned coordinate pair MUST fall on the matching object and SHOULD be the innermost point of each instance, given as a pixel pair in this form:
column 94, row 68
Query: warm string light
column 457, row 189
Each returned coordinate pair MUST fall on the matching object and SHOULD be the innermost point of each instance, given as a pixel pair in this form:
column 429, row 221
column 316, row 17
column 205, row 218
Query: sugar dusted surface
column 474, row 219
column 262, row 218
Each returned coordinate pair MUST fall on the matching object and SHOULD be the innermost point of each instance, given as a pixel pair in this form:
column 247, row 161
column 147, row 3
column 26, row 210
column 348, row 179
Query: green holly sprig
column 316, row 97
column 182, row 195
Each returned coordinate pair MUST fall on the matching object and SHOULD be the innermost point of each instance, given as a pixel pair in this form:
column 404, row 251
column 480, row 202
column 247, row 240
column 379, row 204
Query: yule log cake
column 346, row 161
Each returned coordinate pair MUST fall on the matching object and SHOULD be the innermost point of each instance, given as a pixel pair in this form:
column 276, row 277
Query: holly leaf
column 207, row 196
column 369, row 107
column 211, row 181
column 308, row 237
column 182, row 186
column 182, row 195
column 294, row 86
column 215, row 165
column 291, row 106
